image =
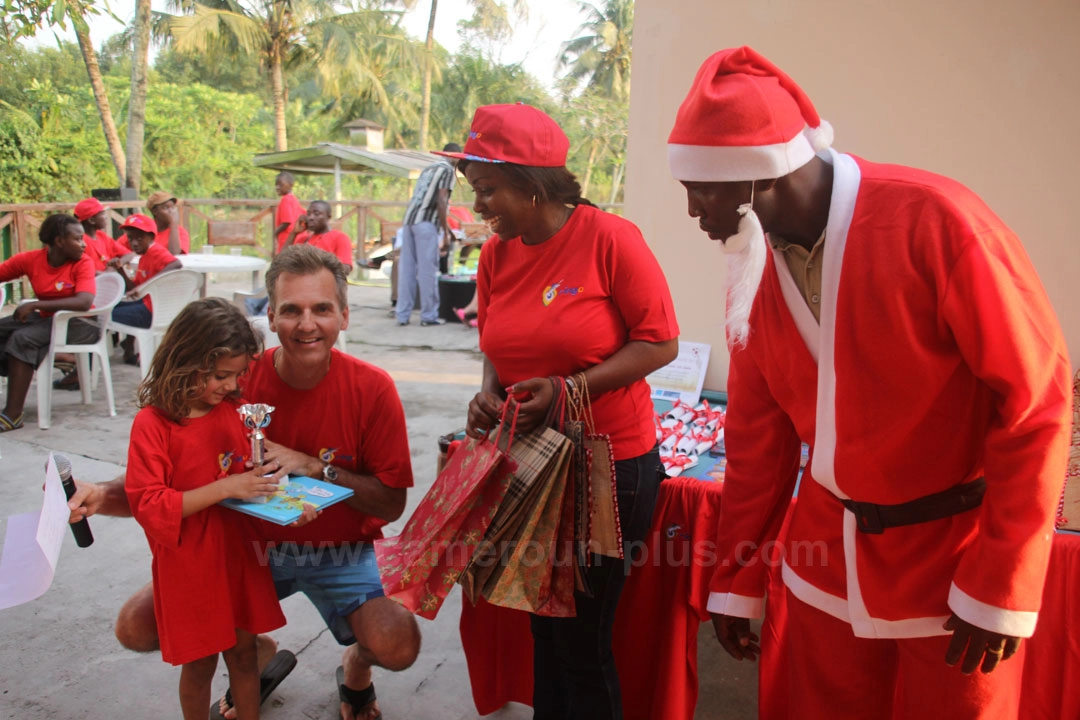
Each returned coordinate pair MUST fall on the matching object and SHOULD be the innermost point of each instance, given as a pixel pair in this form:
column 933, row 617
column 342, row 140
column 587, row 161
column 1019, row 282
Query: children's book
column 287, row 505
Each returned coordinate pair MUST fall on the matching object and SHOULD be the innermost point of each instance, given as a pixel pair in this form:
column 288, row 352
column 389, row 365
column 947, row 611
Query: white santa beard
column 746, row 251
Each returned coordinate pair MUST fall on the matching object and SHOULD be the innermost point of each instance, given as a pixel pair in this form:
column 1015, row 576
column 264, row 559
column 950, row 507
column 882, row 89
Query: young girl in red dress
column 187, row 453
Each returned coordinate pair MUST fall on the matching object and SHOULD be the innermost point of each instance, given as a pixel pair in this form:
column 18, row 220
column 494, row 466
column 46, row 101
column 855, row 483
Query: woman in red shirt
column 62, row 277
column 568, row 288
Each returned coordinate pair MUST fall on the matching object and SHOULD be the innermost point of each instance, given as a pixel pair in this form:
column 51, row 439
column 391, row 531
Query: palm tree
column 490, row 19
column 101, row 98
column 599, row 59
column 140, row 63
column 25, row 17
column 284, row 33
column 600, row 55
column 472, row 80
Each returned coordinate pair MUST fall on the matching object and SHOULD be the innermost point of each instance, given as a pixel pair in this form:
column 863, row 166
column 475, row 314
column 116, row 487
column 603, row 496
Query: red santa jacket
column 938, row 360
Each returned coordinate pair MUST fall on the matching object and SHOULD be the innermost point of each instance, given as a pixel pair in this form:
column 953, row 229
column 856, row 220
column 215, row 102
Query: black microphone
column 81, row 529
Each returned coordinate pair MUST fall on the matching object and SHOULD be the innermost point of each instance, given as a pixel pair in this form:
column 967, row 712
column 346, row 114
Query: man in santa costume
column 887, row 318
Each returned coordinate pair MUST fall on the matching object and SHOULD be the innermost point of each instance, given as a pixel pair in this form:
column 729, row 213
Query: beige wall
column 984, row 91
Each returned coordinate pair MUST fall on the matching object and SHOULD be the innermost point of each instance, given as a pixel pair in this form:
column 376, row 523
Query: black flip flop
column 277, row 670
column 357, row 699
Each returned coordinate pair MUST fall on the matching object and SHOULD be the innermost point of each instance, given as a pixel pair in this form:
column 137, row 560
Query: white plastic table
column 207, row 264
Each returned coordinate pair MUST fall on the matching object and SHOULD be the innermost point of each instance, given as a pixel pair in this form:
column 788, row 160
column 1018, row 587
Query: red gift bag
column 419, row 567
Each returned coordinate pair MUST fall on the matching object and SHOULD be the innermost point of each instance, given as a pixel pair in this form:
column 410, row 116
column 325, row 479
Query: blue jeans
column 574, row 675
column 133, row 313
column 418, row 264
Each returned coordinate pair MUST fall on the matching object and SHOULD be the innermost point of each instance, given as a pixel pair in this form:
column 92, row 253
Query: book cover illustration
column 287, row 505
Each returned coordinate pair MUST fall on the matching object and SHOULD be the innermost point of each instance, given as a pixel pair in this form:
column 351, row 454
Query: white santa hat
column 744, row 119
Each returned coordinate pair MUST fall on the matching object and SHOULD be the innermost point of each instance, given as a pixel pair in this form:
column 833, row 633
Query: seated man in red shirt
column 62, row 277
column 331, row 560
column 170, row 233
column 99, row 246
column 313, row 228
column 154, row 259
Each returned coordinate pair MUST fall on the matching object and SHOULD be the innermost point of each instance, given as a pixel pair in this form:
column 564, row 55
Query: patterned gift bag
column 537, row 572
column 603, row 531
column 534, row 455
column 419, row 567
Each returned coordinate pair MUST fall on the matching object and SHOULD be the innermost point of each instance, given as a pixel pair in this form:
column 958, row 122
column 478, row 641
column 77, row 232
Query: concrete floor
column 58, row 656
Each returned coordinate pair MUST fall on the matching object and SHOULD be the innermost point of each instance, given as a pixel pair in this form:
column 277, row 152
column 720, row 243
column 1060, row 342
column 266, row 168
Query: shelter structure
column 366, row 156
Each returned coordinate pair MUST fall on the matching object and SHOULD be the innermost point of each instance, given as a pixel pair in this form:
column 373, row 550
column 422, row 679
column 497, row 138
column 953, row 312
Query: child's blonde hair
column 204, row 331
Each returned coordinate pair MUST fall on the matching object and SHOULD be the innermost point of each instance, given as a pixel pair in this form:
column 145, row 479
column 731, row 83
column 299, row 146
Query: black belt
column 875, row 519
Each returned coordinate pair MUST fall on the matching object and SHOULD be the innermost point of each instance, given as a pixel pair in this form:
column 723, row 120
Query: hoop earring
column 534, row 201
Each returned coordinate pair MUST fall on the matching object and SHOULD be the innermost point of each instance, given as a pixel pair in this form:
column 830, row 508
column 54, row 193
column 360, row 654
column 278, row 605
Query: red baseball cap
column 140, row 222
column 519, row 134
column 88, row 208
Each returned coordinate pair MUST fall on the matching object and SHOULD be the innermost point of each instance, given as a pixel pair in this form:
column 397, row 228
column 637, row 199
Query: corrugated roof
column 320, row 159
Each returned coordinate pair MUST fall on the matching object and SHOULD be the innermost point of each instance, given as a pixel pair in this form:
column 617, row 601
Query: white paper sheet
column 32, row 545
column 684, row 376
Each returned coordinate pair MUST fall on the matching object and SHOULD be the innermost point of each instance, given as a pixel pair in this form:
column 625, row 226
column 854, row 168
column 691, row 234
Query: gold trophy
column 257, row 416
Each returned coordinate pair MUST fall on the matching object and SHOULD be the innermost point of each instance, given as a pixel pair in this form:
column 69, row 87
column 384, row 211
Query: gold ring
column 996, row 651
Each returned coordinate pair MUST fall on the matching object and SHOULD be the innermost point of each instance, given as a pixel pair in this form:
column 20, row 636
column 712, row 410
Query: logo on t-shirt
column 555, row 290
column 328, row 454
column 225, row 461
column 61, row 285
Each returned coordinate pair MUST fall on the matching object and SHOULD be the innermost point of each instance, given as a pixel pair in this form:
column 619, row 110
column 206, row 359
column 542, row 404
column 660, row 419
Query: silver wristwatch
column 330, row 473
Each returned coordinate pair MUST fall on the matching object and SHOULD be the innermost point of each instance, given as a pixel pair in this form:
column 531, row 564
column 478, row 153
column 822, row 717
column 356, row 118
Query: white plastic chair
column 110, row 288
column 169, row 292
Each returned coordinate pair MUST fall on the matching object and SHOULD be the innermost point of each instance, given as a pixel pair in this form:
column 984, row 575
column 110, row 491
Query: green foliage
column 209, row 113
column 240, row 74
column 200, row 141
column 472, row 81
column 599, row 58
column 24, row 18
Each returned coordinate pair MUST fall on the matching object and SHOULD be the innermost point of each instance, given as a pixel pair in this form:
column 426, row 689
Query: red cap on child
column 140, row 222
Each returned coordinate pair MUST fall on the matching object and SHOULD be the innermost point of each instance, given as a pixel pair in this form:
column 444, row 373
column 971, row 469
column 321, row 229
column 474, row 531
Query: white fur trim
column 1018, row 623
column 820, row 137
column 846, row 178
column 853, row 610
column 813, row 596
column 805, row 321
column 736, row 605
column 709, row 163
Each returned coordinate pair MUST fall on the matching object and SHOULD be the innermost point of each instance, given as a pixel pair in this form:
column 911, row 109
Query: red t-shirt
column 162, row 238
column 151, row 263
column 101, row 248
column 51, row 283
column 334, row 242
column 456, row 215
column 287, row 211
column 208, row 580
column 352, row 419
column 570, row 303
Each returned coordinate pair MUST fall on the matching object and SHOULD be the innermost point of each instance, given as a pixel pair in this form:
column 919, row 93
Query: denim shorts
column 337, row 579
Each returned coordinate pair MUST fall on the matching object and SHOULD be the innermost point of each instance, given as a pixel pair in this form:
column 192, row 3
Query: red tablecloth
column 669, row 583
column 1053, row 652
column 664, row 604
